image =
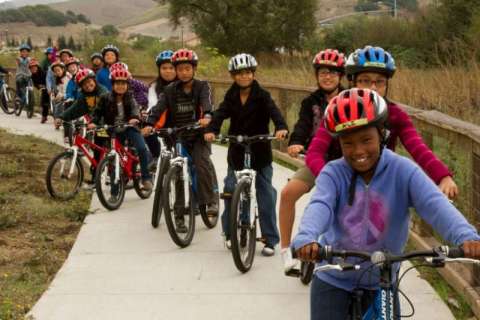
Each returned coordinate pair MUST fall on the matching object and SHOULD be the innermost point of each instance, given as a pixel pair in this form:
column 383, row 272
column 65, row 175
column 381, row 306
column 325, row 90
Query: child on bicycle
column 119, row 108
column 166, row 75
column 62, row 77
column 329, row 67
column 250, row 108
column 185, row 102
column 111, row 55
column 22, row 74
column 136, row 87
column 371, row 68
column 39, row 82
column 97, row 62
column 361, row 202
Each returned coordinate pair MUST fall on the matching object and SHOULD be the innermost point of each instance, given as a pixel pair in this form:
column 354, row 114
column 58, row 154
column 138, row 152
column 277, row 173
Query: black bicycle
column 28, row 103
column 244, row 212
column 384, row 305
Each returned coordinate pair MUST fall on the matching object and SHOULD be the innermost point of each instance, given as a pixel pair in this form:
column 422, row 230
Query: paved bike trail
column 122, row 268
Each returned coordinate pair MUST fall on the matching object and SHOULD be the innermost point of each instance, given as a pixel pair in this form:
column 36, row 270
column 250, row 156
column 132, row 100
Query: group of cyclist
column 362, row 189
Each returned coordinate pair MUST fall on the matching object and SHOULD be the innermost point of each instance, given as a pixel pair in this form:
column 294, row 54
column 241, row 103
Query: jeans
column 153, row 145
column 44, row 102
column 266, row 200
column 136, row 139
column 328, row 302
column 21, row 83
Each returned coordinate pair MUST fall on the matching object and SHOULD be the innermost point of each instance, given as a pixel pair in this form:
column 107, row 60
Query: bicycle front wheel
column 18, row 107
column 158, row 198
column 64, row 178
column 8, row 100
column 179, row 216
column 110, row 191
column 243, row 229
column 31, row 104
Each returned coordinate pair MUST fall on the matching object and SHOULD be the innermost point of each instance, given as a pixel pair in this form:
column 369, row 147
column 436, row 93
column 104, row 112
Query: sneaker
column 227, row 242
column 268, row 251
column 212, row 209
column 147, row 185
column 44, row 119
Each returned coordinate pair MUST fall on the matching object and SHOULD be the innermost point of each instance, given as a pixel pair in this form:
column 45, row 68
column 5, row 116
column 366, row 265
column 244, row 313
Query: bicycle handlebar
column 244, row 139
column 175, row 130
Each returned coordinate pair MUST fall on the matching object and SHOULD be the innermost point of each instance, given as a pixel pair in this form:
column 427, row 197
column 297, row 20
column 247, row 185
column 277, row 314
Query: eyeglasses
column 379, row 83
column 328, row 72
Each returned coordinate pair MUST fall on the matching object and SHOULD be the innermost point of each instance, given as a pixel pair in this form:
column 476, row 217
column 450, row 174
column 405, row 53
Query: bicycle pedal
column 225, row 196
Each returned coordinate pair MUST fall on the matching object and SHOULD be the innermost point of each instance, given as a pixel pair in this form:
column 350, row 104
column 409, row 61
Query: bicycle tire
column 49, row 178
column 306, row 272
column 169, row 198
column 157, row 208
column 211, row 221
column 243, row 264
column 18, row 107
column 137, row 182
column 31, row 104
column 108, row 164
column 8, row 103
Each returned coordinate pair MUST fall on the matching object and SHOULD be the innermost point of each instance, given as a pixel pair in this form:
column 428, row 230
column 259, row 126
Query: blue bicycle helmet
column 164, row 56
column 49, row 50
column 24, row 46
column 370, row 59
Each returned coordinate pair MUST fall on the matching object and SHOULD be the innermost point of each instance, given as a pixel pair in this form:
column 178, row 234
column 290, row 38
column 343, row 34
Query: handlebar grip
column 456, row 252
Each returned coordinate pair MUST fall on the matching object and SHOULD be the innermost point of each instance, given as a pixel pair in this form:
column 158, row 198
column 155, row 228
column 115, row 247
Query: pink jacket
column 400, row 126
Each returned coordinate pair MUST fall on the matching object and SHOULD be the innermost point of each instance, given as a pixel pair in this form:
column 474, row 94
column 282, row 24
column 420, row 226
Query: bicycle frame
column 248, row 174
column 27, row 91
column 124, row 159
column 165, row 153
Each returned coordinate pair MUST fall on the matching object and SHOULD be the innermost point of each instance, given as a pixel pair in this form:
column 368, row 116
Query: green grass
column 36, row 232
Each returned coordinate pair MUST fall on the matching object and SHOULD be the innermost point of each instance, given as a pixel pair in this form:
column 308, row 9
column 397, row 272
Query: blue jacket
column 72, row 90
column 103, row 78
column 379, row 217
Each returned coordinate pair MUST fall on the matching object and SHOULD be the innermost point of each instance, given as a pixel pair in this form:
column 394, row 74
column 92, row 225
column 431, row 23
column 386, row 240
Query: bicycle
column 116, row 169
column 244, row 210
column 180, row 180
column 385, row 304
column 65, row 172
column 7, row 96
column 29, row 102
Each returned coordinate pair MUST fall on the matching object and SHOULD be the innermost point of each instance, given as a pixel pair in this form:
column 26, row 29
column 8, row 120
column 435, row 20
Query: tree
column 109, row 30
column 49, row 41
column 244, row 25
column 62, row 42
column 71, row 43
column 29, row 42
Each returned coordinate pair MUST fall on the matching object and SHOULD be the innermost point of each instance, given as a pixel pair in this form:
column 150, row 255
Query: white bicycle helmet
column 242, row 61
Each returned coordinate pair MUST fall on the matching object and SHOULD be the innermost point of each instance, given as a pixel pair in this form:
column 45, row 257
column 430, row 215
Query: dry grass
column 36, row 233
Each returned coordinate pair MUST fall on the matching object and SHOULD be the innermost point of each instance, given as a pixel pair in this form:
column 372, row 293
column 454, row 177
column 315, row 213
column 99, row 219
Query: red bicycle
column 116, row 169
column 65, row 172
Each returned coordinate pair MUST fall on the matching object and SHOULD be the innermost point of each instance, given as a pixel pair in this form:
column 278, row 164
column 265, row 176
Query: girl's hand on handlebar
column 309, row 252
column 204, row 122
column 471, row 249
column 209, row 137
column 146, row 131
column 294, row 150
column 133, row 122
column 91, row 126
column 281, row 134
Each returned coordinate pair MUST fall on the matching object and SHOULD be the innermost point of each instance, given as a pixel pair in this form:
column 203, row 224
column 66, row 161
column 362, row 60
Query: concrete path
column 122, row 268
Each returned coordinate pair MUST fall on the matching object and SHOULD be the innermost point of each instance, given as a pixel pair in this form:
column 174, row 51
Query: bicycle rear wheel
column 8, row 100
column 243, row 229
column 180, row 217
column 212, row 219
column 61, row 184
column 110, row 192
column 306, row 272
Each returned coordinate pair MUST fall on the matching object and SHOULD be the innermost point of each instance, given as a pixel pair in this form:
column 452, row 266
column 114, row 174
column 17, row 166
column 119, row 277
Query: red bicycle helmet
column 118, row 65
column 84, row 74
column 353, row 109
column 330, row 58
column 120, row 75
column 184, row 56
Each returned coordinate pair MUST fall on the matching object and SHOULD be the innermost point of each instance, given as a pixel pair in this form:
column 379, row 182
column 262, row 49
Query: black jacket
column 86, row 103
column 309, row 118
column 202, row 96
column 39, row 78
column 107, row 109
column 250, row 119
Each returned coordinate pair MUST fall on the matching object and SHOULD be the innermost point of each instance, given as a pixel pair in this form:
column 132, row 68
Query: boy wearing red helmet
column 186, row 101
